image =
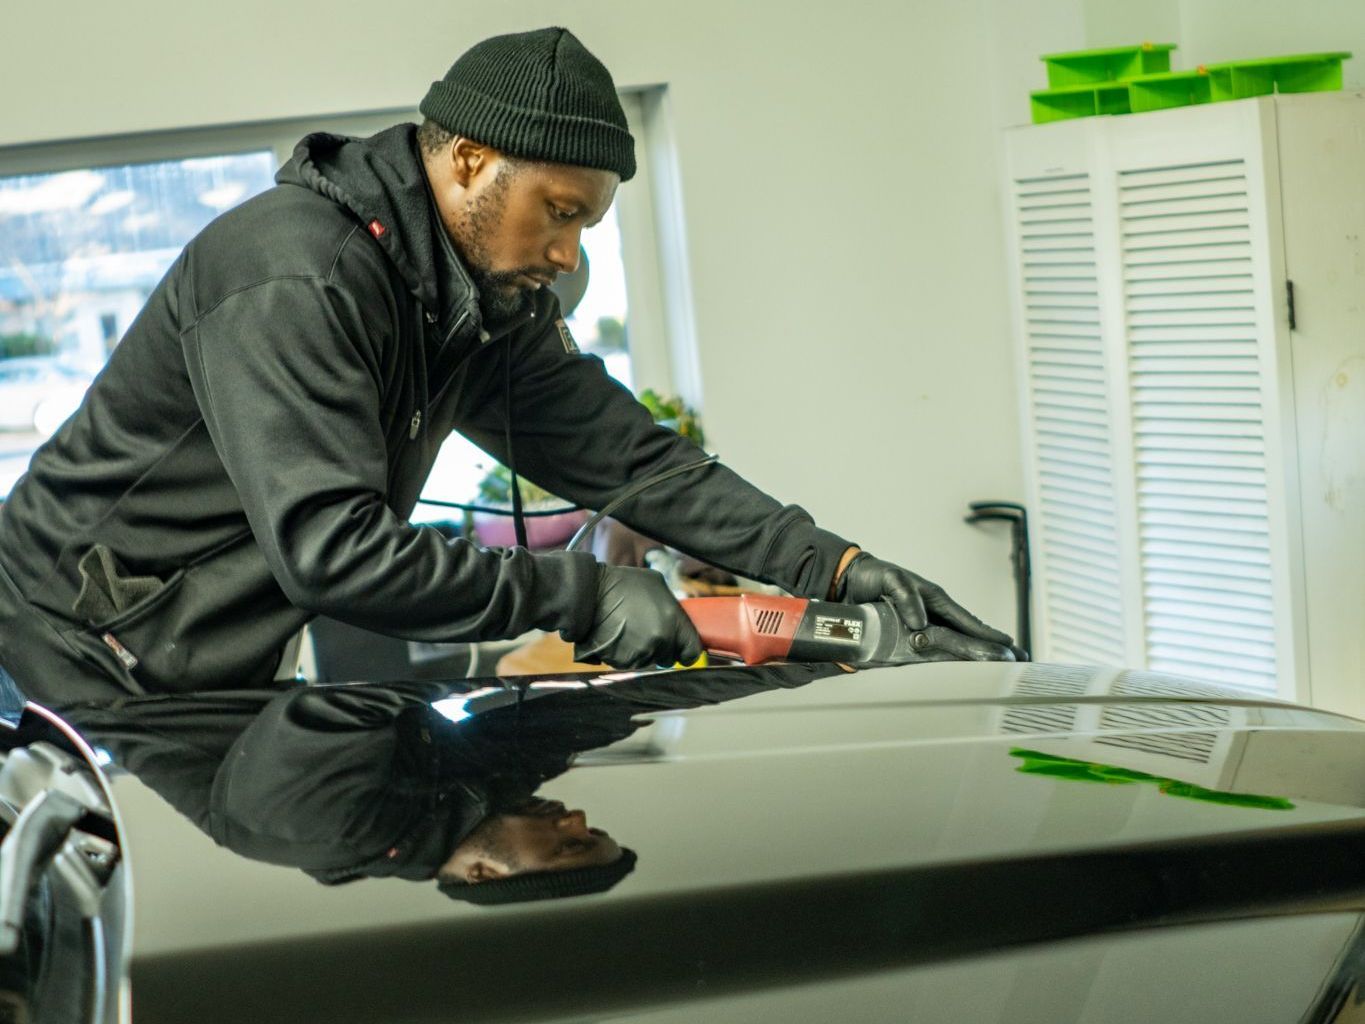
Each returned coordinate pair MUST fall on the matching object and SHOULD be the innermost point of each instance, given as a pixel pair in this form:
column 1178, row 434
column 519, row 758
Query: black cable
column 607, row 509
column 631, row 492
column 517, row 513
column 466, row 507
column 521, row 515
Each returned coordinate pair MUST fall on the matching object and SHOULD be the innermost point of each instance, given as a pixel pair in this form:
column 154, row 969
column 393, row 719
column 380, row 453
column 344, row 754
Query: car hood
column 788, row 819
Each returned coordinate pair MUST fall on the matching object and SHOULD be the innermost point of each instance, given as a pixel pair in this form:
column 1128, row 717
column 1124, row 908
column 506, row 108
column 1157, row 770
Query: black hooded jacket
column 250, row 454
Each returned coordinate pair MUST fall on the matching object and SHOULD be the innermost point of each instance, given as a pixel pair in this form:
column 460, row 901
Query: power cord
column 597, row 517
column 631, row 492
column 499, row 511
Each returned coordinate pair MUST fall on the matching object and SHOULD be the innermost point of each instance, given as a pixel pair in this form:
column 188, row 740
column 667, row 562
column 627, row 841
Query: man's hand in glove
column 638, row 623
column 925, row 606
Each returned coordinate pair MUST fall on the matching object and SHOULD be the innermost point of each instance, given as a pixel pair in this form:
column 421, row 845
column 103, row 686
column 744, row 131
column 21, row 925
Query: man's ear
column 483, row 871
column 467, row 158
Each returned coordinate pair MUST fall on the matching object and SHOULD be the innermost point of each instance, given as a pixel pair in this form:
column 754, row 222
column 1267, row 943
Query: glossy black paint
column 802, row 830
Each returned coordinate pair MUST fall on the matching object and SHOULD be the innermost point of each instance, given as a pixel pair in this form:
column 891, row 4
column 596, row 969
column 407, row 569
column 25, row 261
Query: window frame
column 660, row 335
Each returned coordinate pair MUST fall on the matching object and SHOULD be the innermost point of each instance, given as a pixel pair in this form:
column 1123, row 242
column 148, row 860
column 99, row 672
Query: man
column 248, row 458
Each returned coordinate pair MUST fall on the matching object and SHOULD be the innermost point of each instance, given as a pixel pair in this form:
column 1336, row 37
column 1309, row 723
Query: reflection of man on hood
column 376, row 780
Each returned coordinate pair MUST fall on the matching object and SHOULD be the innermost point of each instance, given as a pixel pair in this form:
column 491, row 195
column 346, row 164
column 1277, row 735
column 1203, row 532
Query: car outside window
column 82, row 251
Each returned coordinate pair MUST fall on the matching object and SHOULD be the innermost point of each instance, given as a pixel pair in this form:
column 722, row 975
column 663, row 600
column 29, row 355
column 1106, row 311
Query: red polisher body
column 757, row 628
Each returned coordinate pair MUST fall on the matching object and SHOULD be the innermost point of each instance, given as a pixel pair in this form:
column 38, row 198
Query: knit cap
column 536, row 95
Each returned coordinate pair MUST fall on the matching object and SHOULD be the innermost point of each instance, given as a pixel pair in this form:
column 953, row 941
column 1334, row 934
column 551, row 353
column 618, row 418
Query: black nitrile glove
column 638, row 623
column 925, row 606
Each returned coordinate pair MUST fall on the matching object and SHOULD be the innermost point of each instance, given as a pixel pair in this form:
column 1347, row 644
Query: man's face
column 517, row 224
column 539, row 835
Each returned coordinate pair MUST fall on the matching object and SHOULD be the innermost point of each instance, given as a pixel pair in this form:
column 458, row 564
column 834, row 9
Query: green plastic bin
column 1086, row 67
column 1304, row 72
column 1172, row 89
column 1079, row 101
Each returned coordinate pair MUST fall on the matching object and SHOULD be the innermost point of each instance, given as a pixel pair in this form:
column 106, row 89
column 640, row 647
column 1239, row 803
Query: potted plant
column 675, row 414
column 542, row 531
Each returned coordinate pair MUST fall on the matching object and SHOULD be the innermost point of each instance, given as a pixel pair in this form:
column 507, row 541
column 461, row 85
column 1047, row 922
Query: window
column 91, row 227
column 83, row 250
column 109, row 330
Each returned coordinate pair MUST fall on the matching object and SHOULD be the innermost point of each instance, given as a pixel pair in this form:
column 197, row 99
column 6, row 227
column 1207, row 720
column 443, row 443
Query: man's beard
column 490, row 840
column 501, row 293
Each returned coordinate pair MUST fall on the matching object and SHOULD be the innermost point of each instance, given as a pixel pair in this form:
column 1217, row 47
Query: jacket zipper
column 450, row 374
column 415, row 425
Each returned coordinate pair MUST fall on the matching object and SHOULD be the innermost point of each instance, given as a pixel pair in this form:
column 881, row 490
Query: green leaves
column 675, row 414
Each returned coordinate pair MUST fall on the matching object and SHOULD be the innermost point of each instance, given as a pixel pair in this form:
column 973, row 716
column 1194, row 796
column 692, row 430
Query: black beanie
column 539, row 96
column 543, row 885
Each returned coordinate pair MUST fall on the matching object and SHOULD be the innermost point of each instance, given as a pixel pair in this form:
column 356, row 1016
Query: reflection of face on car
column 38, row 393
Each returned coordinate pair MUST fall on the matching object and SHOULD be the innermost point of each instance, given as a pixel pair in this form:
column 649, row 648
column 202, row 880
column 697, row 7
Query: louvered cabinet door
column 1079, row 606
column 1196, row 220
column 1159, row 441
column 1198, row 422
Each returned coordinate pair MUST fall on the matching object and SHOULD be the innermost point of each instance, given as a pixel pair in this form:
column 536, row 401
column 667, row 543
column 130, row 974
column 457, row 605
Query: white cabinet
column 1196, row 464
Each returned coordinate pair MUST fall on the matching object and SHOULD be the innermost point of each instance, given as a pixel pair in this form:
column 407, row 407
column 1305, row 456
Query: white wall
column 1208, row 31
column 839, row 179
column 1112, row 23
column 1215, row 30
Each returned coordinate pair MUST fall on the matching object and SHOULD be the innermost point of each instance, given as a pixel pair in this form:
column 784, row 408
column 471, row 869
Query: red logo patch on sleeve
column 377, row 229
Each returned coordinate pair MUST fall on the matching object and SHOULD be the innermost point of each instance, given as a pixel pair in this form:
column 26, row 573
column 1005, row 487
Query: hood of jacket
column 382, row 181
